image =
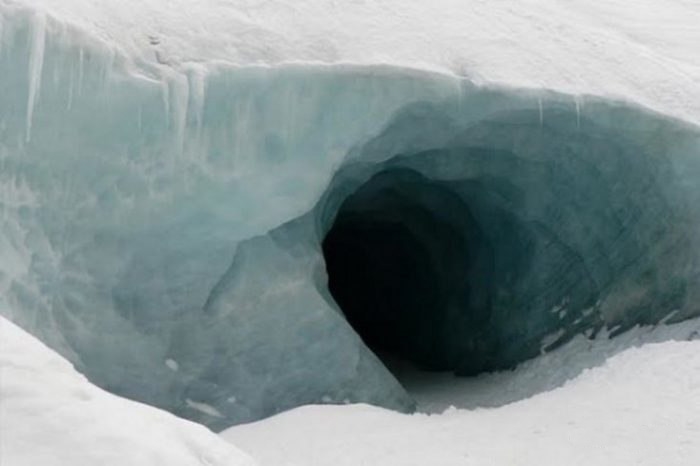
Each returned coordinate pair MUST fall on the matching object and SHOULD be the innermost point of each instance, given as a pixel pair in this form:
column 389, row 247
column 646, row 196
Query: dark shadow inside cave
column 408, row 265
column 503, row 244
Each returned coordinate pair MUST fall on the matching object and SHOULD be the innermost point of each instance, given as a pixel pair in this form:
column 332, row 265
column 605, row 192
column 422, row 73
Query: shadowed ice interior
column 407, row 264
column 511, row 238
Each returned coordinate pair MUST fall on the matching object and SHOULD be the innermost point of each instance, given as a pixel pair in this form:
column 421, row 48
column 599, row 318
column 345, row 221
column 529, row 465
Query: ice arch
column 513, row 232
column 163, row 228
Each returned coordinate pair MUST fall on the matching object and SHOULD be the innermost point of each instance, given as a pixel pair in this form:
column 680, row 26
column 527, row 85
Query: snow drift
column 51, row 415
column 163, row 224
column 640, row 408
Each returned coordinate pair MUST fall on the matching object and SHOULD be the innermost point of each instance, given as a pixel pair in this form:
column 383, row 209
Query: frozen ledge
column 646, row 54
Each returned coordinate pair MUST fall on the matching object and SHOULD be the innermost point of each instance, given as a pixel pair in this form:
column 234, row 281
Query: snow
column 51, row 415
column 172, row 365
column 642, row 407
column 437, row 392
column 646, row 52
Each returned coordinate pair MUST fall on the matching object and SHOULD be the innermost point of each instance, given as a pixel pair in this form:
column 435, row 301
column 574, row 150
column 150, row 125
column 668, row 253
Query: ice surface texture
column 135, row 209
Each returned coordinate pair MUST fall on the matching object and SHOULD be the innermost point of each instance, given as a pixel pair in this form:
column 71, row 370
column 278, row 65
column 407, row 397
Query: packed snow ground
column 51, row 415
column 641, row 407
column 438, row 392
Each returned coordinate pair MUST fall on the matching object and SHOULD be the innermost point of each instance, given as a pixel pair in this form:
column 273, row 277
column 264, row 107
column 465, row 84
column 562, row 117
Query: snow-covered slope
column 644, row 51
column 641, row 408
column 51, row 415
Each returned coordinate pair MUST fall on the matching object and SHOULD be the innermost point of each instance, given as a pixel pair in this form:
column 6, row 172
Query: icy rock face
column 136, row 203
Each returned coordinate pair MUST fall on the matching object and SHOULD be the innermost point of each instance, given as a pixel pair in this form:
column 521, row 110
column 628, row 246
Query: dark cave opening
column 411, row 270
column 502, row 245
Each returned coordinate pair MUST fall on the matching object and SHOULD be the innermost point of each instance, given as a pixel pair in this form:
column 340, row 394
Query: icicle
column 36, row 65
column 539, row 105
column 180, row 102
column 197, row 81
column 140, row 118
column 2, row 30
column 81, row 70
column 176, row 90
column 106, row 69
column 69, row 106
column 71, row 84
column 165, row 95
column 578, row 112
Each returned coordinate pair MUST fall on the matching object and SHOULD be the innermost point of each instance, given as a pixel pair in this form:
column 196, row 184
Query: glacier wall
column 531, row 229
column 162, row 226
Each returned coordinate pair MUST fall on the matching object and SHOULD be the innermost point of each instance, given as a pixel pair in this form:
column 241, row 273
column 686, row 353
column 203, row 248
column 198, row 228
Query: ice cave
column 398, row 259
column 509, row 237
column 231, row 242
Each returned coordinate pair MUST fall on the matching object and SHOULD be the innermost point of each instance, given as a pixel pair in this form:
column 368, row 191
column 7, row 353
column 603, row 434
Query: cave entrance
column 410, row 269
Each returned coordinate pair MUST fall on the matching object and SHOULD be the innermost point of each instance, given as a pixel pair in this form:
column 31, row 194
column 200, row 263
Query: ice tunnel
column 233, row 243
column 406, row 264
column 513, row 237
column 473, row 245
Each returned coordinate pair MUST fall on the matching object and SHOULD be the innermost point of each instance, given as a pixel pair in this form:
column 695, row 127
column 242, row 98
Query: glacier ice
column 529, row 231
column 164, row 229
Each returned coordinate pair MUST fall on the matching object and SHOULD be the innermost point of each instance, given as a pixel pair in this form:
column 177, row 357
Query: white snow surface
column 644, row 51
column 436, row 392
column 51, row 415
column 642, row 407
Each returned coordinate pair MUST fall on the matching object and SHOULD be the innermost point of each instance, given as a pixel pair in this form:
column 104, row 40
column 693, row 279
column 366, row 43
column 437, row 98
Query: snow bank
column 51, row 415
column 641, row 408
column 645, row 52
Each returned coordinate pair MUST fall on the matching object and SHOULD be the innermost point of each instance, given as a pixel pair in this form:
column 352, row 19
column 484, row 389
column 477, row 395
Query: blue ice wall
column 162, row 228
column 584, row 221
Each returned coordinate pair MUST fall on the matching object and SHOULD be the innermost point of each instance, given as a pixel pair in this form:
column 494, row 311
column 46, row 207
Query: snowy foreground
column 51, row 415
column 642, row 407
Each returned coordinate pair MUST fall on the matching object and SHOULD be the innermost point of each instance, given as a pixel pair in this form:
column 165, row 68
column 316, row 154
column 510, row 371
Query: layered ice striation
column 227, row 243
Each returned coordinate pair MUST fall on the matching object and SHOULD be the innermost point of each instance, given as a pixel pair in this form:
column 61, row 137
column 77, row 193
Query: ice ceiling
column 230, row 244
